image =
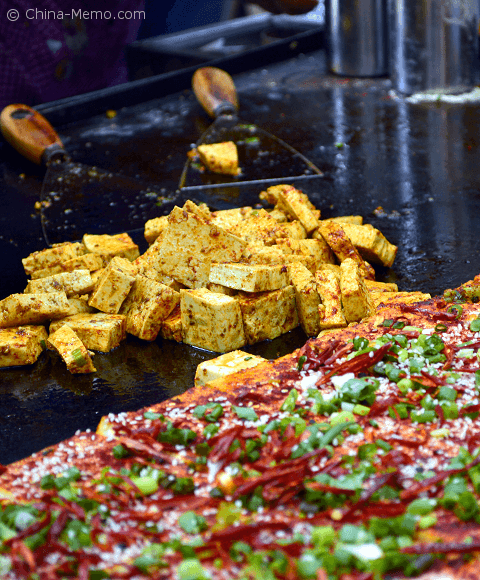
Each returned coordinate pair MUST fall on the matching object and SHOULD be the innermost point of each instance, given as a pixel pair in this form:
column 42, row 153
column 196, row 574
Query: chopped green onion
column 440, row 327
column 457, row 308
column 475, row 325
column 78, row 357
column 301, row 361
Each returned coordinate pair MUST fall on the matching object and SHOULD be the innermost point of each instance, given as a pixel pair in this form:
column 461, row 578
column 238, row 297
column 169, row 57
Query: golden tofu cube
column 356, row 300
column 317, row 249
column 220, row 157
column 293, row 230
column 224, row 365
column 155, row 227
column 90, row 262
column 307, row 298
column 189, row 246
column 147, row 306
column 392, row 298
column 375, row 286
column 371, row 243
column 268, row 314
column 72, row 350
column 72, row 283
column 259, row 227
column 330, row 310
column 278, row 215
column 201, row 210
column 53, row 256
column 228, row 218
column 21, row 345
column 171, row 327
column 249, row 277
column 337, row 239
column 157, row 276
column 19, row 309
column 272, row 196
column 113, row 286
column 79, row 306
column 211, row 321
column 345, row 219
column 97, row 331
column 219, row 289
column 292, row 202
column 120, row 245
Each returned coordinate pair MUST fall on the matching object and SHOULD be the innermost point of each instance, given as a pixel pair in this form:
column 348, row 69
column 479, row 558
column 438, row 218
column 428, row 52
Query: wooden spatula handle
column 30, row 133
column 215, row 90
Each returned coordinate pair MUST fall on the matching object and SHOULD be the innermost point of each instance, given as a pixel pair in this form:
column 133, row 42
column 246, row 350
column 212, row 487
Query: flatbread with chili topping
column 355, row 457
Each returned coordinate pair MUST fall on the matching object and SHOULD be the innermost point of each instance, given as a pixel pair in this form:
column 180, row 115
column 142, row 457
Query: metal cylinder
column 357, row 37
column 433, row 45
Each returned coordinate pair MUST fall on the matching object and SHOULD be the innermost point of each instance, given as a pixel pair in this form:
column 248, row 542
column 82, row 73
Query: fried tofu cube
column 157, row 276
column 120, row 245
column 171, row 327
column 220, row 289
column 292, row 202
column 371, row 243
column 356, row 300
column 225, row 365
column 97, row 331
column 211, row 321
column 21, row 345
column 79, row 306
column 269, row 314
column 228, row 218
column 330, row 310
column 147, row 306
column 345, row 219
column 307, row 298
column 113, row 286
column 259, row 227
column 20, row 309
column 53, row 256
column 294, row 230
column 90, row 262
column 278, row 215
column 154, row 228
column 72, row 350
column 249, row 277
column 220, row 157
column 272, row 196
column 190, row 245
column 200, row 210
column 72, row 283
column 375, row 286
column 392, row 298
column 337, row 239
column 317, row 249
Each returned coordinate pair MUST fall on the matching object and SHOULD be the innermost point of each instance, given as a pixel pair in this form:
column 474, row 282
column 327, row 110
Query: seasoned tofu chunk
column 53, row 256
column 391, row 298
column 171, row 327
column 190, row 245
column 97, row 331
column 293, row 230
column 371, row 243
column 90, row 262
column 228, row 218
column 147, row 306
column 72, row 283
column 375, row 286
column 330, row 310
column 224, row 365
column 20, row 309
column 120, row 245
column 268, row 314
column 272, row 196
column 307, row 298
column 356, row 300
column 337, row 239
column 113, row 286
column 220, row 157
column 79, row 306
column 317, row 249
column 21, row 345
column 219, row 289
column 292, row 202
column 72, row 350
column 155, row 227
column 211, row 321
column 345, row 219
column 249, row 277
column 259, row 227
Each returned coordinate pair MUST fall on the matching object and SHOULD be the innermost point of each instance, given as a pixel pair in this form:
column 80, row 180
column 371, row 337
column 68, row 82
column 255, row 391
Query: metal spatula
column 76, row 198
column 263, row 158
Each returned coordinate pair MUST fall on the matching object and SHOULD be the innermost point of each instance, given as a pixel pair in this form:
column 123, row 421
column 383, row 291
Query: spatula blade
column 77, row 199
column 262, row 156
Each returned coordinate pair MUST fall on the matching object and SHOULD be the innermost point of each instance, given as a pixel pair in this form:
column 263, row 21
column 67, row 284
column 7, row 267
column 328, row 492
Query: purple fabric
column 45, row 57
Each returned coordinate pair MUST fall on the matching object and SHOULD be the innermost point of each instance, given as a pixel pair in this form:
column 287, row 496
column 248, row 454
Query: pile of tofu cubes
column 215, row 280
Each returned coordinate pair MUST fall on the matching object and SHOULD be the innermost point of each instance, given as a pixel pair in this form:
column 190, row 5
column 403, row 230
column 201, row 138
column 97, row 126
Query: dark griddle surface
column 419, row 162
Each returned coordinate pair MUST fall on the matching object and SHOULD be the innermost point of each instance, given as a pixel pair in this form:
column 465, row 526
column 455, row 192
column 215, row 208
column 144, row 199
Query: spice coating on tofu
column 220, row 157
column 72, row 350
column 113, row 285
column 249, row 277
column 98, row 331
column 21, row 345
column 226, row 364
